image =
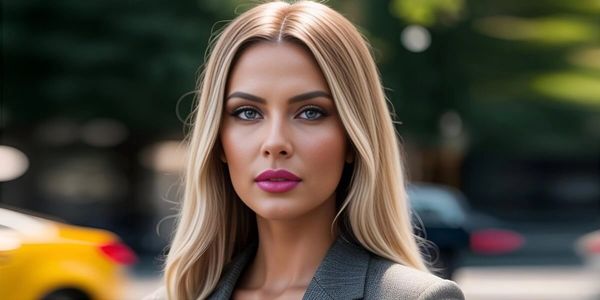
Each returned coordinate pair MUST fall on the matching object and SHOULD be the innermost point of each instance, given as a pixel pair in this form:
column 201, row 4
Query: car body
column 443, row 216
column 44, row 259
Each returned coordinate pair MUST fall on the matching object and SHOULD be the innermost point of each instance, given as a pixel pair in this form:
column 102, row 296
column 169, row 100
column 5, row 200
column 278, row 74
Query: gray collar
column 341, row 274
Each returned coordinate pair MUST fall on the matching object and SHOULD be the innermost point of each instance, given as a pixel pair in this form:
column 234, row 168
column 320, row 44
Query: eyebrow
column 297, row 98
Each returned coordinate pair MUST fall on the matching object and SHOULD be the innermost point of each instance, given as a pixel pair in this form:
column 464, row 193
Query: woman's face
column 279, row 116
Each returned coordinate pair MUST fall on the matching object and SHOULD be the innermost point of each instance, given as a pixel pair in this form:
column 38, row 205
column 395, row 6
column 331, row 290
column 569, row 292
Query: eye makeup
column 307, row 112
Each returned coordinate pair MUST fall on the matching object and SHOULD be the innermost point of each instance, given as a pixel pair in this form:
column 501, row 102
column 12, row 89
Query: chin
column 279, row 210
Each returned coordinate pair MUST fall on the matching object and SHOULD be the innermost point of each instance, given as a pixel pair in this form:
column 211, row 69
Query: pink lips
column 277, row 181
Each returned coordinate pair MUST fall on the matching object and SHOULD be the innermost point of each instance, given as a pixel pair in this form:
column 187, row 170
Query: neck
column 290, row 251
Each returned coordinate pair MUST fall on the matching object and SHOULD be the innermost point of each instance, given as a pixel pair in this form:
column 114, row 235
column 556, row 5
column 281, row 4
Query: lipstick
column 277, row 181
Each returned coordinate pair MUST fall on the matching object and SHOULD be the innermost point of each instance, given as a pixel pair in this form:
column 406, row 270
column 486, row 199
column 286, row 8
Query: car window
column 436, row 206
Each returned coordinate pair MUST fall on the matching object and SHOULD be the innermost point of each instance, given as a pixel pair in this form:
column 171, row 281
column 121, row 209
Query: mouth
column 271, row 186
column 277, row 181
column 277, row 175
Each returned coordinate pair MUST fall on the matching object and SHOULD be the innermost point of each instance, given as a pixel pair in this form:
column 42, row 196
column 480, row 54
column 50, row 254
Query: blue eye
column 249, row 113
column 246, row 113
column 312, row 113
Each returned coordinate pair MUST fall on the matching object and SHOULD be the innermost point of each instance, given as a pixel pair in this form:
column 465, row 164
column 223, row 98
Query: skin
column 305, row 137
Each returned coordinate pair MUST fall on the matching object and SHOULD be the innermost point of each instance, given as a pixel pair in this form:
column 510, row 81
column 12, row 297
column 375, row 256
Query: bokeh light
column 415, row 38
column 14, row 163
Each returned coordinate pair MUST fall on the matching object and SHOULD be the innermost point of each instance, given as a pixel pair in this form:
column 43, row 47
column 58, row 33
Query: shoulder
column 389, row 280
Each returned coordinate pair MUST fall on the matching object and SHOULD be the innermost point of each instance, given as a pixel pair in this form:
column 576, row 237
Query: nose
column 277, row 143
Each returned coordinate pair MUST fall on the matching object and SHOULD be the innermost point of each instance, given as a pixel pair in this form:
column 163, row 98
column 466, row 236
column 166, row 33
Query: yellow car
column 47, row 260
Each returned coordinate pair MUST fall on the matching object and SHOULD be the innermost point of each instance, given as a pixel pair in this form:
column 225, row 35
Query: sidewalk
column 486, row 283
column 529, row 283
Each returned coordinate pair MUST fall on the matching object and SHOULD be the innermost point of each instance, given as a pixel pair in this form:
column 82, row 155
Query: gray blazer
column 348, row 271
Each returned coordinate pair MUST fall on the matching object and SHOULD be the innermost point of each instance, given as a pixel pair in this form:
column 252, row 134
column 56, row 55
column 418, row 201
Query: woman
column 294, row 186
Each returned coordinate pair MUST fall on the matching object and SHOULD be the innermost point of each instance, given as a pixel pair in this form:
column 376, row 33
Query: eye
column 246, row 113
column 312, row 113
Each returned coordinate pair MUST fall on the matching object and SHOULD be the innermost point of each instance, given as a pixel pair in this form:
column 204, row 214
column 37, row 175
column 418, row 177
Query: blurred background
column 499, row 104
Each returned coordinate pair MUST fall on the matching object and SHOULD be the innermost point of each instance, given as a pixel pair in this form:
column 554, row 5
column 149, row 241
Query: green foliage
column 523, row 75
column 426, row 12
column 579, row 87
column 552, row 30
column 80, row 59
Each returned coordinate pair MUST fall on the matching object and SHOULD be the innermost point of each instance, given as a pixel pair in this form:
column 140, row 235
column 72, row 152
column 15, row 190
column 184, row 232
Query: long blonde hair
column 213, row 225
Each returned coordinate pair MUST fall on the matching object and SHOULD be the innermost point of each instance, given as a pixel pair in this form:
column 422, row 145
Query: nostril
column 280, row 153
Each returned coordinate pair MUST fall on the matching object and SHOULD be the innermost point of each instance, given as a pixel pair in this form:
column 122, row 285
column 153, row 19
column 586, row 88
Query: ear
column 349, row 155
column 219, row 149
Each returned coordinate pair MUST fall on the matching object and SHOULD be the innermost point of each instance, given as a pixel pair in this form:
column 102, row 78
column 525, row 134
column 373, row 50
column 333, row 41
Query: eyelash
column 236, row 112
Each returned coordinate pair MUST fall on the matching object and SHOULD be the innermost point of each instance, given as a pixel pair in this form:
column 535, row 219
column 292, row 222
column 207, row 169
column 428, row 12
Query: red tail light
column 119, row 253
column 496, row 241
column 593, row 245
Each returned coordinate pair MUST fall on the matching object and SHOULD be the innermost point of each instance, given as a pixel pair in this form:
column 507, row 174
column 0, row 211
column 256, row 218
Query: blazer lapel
column 232, row 273
column 341, row 274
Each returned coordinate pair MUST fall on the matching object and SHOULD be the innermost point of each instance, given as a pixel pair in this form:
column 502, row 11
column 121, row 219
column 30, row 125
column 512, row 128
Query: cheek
column 238, row 151
column 325, row 153
column 237, row 145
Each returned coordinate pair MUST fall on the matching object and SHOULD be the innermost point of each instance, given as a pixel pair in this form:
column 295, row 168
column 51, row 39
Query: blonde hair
column 213, row 225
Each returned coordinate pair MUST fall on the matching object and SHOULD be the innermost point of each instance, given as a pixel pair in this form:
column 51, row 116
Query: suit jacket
column 349, row 271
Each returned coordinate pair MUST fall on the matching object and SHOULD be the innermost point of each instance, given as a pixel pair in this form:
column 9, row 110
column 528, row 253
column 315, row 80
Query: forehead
column 276, row 65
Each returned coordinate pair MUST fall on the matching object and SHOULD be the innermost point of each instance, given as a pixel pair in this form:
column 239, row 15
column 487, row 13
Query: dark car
column 443, row 216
